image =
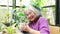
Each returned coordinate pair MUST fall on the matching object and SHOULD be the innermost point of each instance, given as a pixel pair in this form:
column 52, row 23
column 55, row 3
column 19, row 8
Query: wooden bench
column 54, row 30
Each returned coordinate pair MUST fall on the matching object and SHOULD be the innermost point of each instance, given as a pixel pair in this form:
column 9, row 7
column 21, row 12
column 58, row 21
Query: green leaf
column 20, row 14
column 9, row 29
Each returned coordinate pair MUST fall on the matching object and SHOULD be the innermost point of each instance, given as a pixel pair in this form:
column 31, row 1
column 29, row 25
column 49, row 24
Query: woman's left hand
column 24, row 27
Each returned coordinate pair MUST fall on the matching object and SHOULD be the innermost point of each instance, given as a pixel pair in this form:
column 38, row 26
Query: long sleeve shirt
column 40, row 25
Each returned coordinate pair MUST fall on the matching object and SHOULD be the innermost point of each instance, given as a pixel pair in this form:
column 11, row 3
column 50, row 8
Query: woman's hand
column 26, row 28
column 23, row 27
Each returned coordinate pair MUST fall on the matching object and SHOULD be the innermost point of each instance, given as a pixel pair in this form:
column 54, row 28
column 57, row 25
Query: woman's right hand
column 22, row 26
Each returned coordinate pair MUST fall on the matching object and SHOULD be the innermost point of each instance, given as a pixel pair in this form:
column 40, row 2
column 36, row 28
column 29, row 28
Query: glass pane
column 5, row 2
column 49, row 13
column 5, row 13
column 18, row 3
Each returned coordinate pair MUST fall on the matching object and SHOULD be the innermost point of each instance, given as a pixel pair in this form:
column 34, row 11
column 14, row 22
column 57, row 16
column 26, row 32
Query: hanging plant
column 37, row 4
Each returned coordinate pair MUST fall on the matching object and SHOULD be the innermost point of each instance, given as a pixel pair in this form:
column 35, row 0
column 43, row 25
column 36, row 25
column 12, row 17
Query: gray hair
column 36, row 11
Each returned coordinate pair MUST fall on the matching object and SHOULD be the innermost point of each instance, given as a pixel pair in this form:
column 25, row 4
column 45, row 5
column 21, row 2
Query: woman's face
column 30, row 15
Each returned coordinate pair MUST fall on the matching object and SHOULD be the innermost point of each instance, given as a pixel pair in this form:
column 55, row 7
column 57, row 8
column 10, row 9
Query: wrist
column 29, row 29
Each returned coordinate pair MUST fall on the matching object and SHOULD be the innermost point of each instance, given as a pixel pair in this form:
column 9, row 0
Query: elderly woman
column 37, row 23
